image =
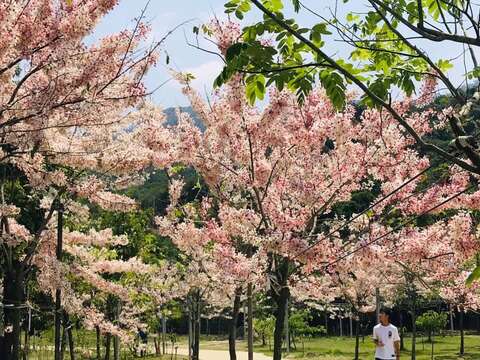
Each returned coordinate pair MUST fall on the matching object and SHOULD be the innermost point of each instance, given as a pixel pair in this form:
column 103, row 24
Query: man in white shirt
column 386, row 338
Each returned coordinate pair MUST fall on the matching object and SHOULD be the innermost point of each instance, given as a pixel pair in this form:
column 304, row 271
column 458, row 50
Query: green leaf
column 334, row 87
column 239, row 14
column 352, row 17
column 444, row 65
column 296, row 5
column 474, row 276
column 233, row 51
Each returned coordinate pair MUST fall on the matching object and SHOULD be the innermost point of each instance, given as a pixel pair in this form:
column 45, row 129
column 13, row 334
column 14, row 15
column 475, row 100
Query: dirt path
column 223, row 355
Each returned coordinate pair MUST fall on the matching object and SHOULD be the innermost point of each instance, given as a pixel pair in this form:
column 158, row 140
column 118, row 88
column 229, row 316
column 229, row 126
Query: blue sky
column 165, row 15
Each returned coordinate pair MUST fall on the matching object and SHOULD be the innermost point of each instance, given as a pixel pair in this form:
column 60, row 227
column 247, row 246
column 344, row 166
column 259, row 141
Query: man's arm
column 397, row 348
column 376, row 340
column 396, row 343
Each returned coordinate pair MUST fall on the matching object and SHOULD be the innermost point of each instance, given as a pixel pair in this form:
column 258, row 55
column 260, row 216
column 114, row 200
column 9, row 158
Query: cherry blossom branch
column 410, row 221
column 425, row 145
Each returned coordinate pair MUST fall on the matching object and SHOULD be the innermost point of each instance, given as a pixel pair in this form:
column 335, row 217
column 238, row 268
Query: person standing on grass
column 386, row 338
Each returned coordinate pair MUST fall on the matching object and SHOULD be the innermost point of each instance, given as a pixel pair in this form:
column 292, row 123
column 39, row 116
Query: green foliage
column 431, row 321
column 264, row 327
column 298, row 61
column 298, row 322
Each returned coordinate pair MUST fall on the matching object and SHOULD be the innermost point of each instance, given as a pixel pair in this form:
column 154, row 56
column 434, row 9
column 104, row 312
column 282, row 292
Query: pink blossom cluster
column 273, row 172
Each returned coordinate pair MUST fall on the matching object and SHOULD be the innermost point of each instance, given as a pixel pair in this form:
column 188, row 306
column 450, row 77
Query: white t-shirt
column 387, row 335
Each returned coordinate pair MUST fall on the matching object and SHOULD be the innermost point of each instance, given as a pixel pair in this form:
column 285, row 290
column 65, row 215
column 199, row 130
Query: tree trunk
column 232, row 331
column 196, row 335
column 70, row 337
column 452, row 326
column 350, row 320
column 13, row 298
column 250, row 320
column 116, row 339
column 108, row 340
column 164, row 334
column 156, row 343
column 58, row 298
column 293, row 341
column 287, row 330
column 63, row 344
column 116, row 348
column 462, row 332
column 26, row 346
column 377, row 303
column 402, row 342
column 99, row 352
column 190, row 329
column 414, row 334
column 357, row 337
column 326, row 323
column 281, row 297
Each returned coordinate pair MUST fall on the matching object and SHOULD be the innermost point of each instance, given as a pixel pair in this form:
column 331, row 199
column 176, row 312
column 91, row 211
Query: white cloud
column 205, row 74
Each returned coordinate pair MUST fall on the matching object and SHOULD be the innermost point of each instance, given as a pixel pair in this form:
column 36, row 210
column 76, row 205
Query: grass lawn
column 325, row 348
column 336, row 348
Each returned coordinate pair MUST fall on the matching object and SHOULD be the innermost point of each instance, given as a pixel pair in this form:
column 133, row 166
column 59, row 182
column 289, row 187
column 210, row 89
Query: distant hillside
column 172, row 116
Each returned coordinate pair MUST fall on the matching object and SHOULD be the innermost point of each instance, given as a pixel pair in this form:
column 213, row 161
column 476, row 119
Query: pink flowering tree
column 439, row 258
column 212, row 236
column 286, row 165
column 74, row 128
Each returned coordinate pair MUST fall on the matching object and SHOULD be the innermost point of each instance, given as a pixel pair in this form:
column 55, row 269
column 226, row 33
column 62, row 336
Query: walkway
column 222, row 354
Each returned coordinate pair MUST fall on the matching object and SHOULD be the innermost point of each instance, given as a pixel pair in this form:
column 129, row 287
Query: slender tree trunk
column 99, row 352
column 13, row 298
column 70, row 337
column 287, row 330
column 357, row 337
column 232, row 331
column 293, row 341
column 414, row 334
column 461, row 317
column 156, row 343
column 326, row 323
column 63, row 344
column 116, row 339
column 281, row 297
column 196, row 337
column 190, row 330
column 244, row 333
column 108, row 340
column 402, row 342
column 164, row 334
column 250, row 320
column 58, row 299
column 452, row 326
column 26, row 346
column 377, row 303
column 350, row 320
